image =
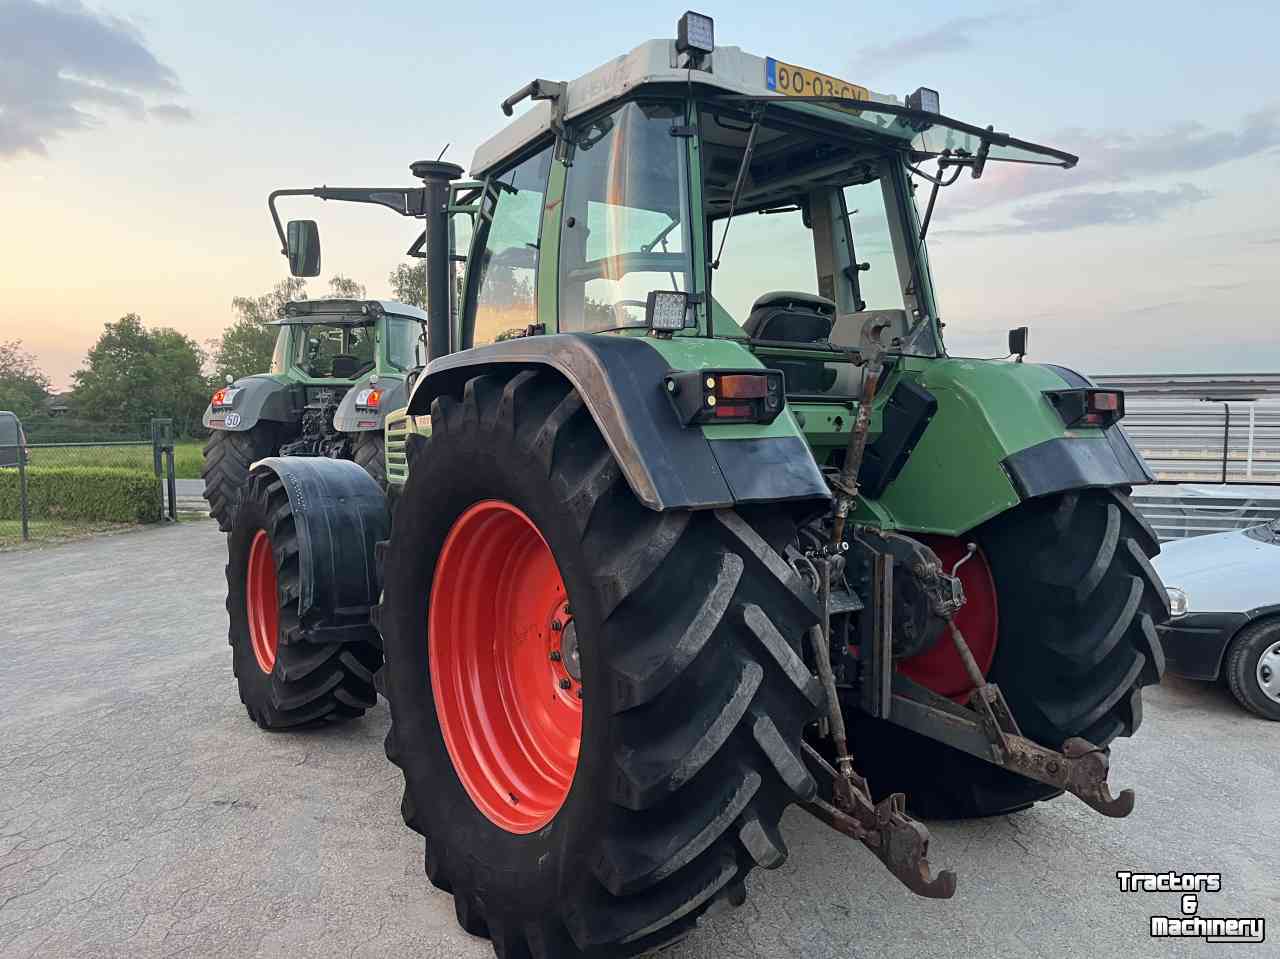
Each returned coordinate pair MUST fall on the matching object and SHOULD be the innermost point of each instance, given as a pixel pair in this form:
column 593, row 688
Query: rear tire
column 369, row 452
column 227, row 458
column 1252, row 661
column 1078, row 605
column 288, row 677
column 694, row 694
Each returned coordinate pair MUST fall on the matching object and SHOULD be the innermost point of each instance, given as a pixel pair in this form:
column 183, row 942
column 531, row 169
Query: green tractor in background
column 695, row 518
column 337, row 368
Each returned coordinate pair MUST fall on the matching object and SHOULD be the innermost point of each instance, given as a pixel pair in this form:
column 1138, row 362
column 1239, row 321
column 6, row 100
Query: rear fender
column 340, row 514
column 995, row 441
column 667, row 465
column 259, row 397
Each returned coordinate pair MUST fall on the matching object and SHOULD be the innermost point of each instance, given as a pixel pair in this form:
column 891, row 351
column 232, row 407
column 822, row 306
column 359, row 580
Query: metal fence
column 152, row 455
column 1204, row 441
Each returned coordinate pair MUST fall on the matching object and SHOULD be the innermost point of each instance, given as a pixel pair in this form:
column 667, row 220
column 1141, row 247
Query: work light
column 665, row 310
column 696, row 32
column 924, row 100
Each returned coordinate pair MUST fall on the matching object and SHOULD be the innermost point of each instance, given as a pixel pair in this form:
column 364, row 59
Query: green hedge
column 83, row 493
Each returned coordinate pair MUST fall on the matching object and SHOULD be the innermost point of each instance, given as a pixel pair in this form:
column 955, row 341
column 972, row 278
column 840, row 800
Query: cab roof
column 302, row 312
column 727, row 69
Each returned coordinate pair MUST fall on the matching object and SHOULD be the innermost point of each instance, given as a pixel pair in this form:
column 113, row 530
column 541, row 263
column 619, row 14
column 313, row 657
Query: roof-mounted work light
column 925, row 100
column 696, row 34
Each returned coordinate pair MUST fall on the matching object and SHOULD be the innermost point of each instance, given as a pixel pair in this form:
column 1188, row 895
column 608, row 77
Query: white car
column 1224, row 592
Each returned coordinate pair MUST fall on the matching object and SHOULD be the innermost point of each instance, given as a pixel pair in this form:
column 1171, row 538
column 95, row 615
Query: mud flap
column 341, row 515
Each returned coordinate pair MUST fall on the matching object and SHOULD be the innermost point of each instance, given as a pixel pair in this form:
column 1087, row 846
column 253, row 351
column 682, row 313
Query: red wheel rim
column 262, row 601
column 509, row 708
column 939, row 668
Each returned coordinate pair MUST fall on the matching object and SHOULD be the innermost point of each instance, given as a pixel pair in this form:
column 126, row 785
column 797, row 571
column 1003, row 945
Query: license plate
column 793, row 81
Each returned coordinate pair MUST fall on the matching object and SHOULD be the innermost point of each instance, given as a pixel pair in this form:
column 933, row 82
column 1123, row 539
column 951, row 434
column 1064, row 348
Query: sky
column 139, row 139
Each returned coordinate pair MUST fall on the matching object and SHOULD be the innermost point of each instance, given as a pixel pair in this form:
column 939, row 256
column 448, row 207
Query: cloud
column 1107, row 157
column 171, row 113
column 950, row 36
column 63, row 66
column 1074, row 210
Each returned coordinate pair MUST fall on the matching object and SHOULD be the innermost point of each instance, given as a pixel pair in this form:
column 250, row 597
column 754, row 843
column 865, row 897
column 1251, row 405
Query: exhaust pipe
column 436, row 175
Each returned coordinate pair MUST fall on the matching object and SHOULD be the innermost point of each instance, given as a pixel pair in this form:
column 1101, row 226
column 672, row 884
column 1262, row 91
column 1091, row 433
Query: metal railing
column 1206, row 442
column 154, row 455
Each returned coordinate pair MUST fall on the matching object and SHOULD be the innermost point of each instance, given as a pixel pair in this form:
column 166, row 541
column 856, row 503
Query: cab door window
column 506, row 297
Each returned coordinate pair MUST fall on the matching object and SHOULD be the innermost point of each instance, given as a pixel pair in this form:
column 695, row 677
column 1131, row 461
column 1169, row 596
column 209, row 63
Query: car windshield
column 334, row 351
column 1267, row 533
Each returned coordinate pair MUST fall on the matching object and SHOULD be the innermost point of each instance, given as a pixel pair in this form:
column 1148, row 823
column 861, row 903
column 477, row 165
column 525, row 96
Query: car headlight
column 1178, row 603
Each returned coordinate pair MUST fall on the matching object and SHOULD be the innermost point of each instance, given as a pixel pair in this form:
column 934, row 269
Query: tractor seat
column 344, row 366
column 791, row 317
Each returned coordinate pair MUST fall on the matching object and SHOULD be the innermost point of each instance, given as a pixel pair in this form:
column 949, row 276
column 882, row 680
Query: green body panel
column 987, row 410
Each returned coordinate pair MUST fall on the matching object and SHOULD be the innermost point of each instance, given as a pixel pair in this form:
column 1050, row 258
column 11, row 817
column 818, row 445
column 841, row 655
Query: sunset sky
column 139, row 139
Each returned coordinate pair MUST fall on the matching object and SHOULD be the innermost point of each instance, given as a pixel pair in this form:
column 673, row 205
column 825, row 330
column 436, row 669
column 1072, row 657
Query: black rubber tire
column 1079, row 603
column 695, row 694
column 1241, row 667
column 227, row 458
column 313, row 682
column 369, row 452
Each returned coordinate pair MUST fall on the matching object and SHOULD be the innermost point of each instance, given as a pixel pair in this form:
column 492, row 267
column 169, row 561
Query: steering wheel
column 619, row 311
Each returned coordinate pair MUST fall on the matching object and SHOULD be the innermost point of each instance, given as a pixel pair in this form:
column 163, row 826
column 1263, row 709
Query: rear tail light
column 727, row 396
column 1088, row 407
column 369, row 399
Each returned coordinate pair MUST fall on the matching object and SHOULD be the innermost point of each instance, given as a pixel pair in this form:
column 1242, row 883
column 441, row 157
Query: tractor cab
column 339, row 342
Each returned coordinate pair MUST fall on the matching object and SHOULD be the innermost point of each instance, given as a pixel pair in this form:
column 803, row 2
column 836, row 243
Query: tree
column 24, row 389
column 132, row 375
column 408, row 282
column 245, row 347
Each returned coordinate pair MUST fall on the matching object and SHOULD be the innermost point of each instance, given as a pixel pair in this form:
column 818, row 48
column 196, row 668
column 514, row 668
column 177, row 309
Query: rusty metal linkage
column 871, row 352
column 897, row 840
column 1080, row 768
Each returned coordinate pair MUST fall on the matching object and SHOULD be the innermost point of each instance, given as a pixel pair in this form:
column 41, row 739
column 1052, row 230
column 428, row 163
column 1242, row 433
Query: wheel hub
column 504, row 661
column 569, row 652
column 1269, row 673
column 939, row 666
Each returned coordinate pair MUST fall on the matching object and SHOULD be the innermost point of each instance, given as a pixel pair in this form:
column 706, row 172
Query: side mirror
column 303, row 241
column 1018, row 342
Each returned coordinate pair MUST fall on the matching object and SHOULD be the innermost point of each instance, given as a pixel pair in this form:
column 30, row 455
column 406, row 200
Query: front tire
column 1078, row 604
column 287, row 674
column 693, row 692
column 1253, row 669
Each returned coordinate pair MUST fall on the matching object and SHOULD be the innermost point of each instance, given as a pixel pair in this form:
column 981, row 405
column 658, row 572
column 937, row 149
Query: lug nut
column 556, row 625
column 555, row 655
column 565, row 684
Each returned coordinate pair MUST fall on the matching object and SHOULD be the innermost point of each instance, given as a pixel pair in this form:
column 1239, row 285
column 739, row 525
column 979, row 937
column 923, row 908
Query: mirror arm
column 407, row 201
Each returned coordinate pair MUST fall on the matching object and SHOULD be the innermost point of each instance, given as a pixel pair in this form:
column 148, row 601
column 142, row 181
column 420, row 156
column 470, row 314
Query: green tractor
column 696, row 519
column 337, row 368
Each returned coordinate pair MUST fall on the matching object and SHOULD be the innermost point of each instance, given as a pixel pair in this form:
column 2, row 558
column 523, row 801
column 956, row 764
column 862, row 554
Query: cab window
column 334, row 351
column 623, row 232
column 506, row 298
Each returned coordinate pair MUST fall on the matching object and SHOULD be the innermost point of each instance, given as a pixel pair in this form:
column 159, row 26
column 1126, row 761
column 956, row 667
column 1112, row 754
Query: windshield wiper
column 756, row 116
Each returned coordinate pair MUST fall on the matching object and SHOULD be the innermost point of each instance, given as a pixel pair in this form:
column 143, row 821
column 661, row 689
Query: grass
column 44, row 531
column 186, row 457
